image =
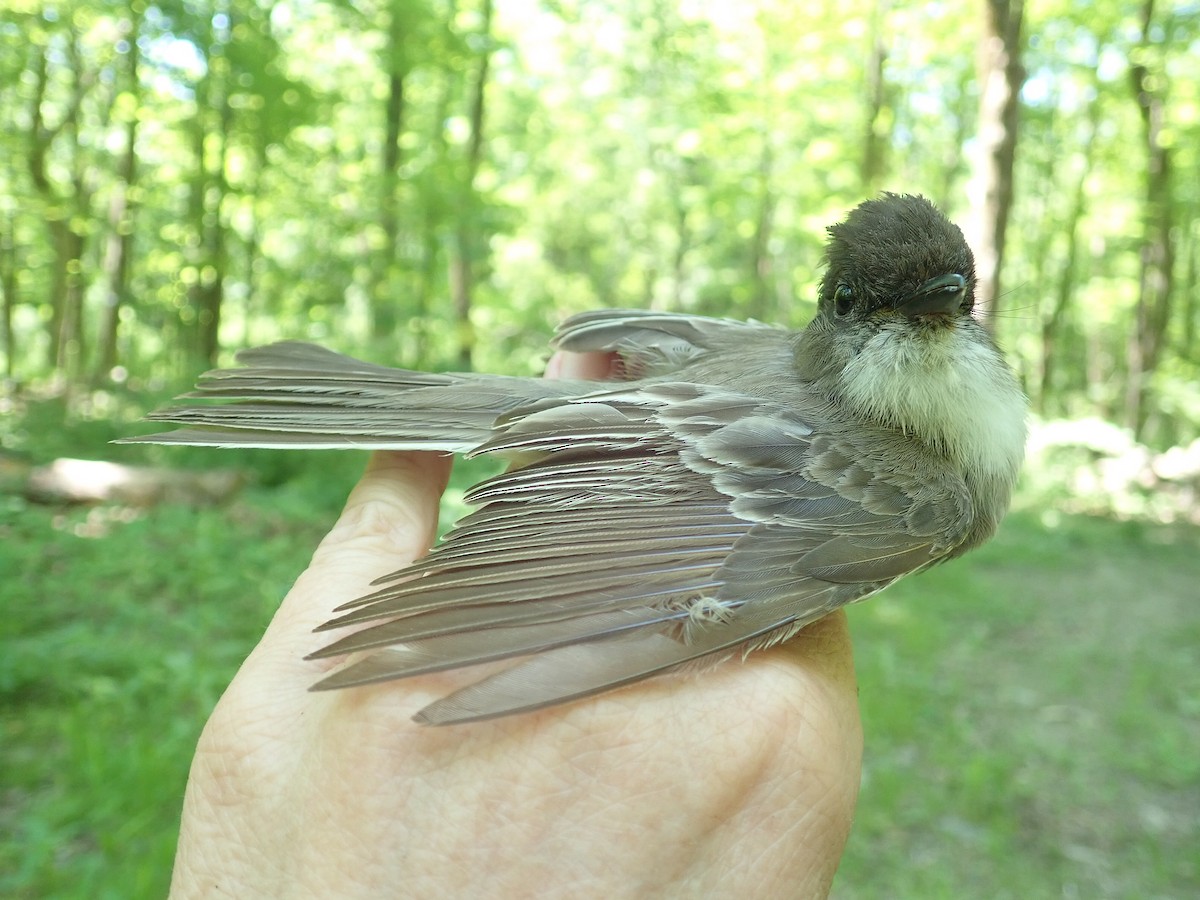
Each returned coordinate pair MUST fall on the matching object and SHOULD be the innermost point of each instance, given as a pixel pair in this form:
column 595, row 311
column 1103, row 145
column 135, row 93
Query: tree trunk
column 875, row 138
column 382, row 295
column 40, row 138
column 212, row 288
column 432, row 220
column 683, row 244
column 1189, row 289
column 119, row 241
column 210, row 137
column 8, row 292
column 1052, row 324
column 1067, row 270
column 63, row 205
column 760, row 244
column 1000, row 79
column 208, row 258
column 955, row 162
column 1157, row 253
column 251, row 245
column 70, row 351
column 462, row 262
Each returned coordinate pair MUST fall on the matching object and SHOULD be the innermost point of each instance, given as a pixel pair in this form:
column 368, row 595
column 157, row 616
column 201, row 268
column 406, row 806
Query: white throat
column 948, row 388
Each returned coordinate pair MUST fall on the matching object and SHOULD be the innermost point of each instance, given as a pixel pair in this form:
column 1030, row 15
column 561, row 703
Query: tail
column 295, row 395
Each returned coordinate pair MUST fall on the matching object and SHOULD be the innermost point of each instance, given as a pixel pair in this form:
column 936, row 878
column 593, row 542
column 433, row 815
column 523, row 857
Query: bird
column 736, row 482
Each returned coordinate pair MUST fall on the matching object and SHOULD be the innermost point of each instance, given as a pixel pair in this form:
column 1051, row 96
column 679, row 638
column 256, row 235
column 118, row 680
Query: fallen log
column 98, row 481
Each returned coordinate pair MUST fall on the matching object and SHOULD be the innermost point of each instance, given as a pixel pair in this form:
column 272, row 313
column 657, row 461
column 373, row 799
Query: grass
column 1032, row 712
column 118, row 638
column 1032, row 717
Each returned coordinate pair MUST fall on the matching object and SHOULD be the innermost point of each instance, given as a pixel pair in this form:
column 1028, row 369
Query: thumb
column 389, row 520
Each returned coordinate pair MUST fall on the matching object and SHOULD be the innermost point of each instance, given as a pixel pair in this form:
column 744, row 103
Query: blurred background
column 436, row 183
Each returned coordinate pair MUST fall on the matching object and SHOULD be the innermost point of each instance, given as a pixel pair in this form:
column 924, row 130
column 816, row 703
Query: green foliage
column 120, row 635
column 634, row 152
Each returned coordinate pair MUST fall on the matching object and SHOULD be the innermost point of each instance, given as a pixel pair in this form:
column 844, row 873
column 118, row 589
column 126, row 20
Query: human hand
column 739, row 781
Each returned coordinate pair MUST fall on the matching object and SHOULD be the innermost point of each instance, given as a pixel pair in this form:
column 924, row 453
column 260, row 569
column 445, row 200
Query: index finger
column 390, row 519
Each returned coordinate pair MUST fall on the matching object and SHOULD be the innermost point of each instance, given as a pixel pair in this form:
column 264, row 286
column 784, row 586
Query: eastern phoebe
column 741, row 481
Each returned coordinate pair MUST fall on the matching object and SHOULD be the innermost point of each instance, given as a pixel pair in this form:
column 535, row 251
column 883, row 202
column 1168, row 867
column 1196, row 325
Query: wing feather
column 650, row 343
column 641, row 512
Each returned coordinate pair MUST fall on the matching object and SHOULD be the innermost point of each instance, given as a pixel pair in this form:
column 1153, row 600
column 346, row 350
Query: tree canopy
column 436, row 182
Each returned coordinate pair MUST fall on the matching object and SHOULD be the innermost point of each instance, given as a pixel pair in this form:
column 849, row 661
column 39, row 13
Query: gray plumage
column 740, row 483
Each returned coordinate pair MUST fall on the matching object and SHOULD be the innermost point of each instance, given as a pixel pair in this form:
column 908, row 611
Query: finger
column 392, row 512
column 823, row 647
column 390, row 519
column 593, row 366
column 827, row 755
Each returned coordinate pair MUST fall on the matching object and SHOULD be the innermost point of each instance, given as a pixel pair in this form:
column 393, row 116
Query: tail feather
column 297, row 395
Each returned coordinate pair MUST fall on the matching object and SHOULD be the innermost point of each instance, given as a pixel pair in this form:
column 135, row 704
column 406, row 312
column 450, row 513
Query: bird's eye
column 843, row 299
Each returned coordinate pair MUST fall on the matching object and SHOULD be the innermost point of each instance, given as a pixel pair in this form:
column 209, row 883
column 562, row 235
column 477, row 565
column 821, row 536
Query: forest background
column 436, row 183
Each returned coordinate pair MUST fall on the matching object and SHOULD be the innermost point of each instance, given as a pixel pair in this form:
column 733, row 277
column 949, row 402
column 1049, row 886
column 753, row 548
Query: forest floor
column 1032, row 712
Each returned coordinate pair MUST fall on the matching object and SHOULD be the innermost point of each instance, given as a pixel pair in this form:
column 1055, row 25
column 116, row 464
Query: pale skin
column 738, row 781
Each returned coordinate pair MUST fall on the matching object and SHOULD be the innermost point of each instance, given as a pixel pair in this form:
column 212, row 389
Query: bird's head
column 897, row 256
column 894, row 340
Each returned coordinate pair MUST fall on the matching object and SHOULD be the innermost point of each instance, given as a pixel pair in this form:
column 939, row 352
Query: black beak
column 943, row 294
